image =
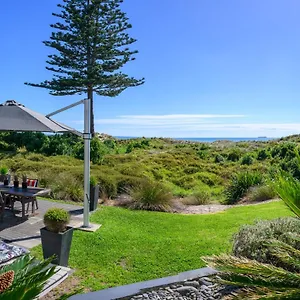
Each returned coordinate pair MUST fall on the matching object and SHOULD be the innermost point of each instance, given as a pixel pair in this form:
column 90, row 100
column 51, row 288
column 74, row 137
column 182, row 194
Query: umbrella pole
column 87, row 148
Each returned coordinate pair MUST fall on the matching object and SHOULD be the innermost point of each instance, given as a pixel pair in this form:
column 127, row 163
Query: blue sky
column 212, row 68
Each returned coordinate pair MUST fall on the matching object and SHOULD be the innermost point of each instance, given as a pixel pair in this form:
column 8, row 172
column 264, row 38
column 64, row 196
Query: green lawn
column 132, row 246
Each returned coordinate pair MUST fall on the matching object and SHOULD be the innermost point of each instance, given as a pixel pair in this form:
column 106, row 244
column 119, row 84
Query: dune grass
column 133, row 246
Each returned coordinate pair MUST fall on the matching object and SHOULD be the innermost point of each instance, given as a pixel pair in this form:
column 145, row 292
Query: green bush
column 202, row 154
column 64, row 186
column 263, row 154
column 234, row 155
column 93, row 181
column 292, row 166
column 208, row 178
column 284, row 150
column 240, row 184
column 3, row 170
column 247, row 160
column 151, row 196
column 7, row 147
column 126, row 183
column 198, row 198
column 56, row 219
column 261, row 193
column 248, row 242
column 219, row 158
column 288, row 189
column 129, row 148
column 107, row 187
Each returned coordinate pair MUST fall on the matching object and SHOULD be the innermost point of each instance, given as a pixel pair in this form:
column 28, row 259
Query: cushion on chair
column 9, row 252
column 32, row 182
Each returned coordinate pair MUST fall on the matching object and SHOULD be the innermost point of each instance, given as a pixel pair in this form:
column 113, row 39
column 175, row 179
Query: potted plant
column 57, row 236
column 94, row 193
column 3, row 173
column 24, row 182
column 16, row 181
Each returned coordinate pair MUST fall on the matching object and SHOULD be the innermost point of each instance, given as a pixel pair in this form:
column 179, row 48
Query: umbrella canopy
column 16, row 117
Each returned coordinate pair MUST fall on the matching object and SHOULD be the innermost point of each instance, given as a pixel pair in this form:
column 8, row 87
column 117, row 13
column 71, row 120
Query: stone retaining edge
column 130, row 290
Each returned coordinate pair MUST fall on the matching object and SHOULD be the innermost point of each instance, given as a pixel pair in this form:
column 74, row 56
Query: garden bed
column 195, row 284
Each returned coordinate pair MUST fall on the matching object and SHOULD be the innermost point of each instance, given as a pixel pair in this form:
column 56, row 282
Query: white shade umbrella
column 16, row 117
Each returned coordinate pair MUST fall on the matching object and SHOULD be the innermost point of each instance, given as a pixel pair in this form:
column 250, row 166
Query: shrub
column 288, row 189
column 202, row 154
column 208, row 178
column 240, row 184
column 108, row 187
column 93, row 181
column 7, row 147
column 126, row 183
column 235, row 155
column 284, row 150
column 219, row 158
column 262, row 193
column 129, row 148
column 3, row 170
column 292, row 166
column 65, row 186
column 56, row 219
column 248, row 242
column 151, row 196
column 198, row 198
column 247, row 160
column 263, row 154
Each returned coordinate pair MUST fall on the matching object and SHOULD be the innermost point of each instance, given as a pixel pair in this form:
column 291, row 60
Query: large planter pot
column 58, row 244
column 94, row 196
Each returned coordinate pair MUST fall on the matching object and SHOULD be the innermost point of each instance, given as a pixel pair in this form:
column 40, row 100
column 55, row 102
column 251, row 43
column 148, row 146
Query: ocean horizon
column 211, row 139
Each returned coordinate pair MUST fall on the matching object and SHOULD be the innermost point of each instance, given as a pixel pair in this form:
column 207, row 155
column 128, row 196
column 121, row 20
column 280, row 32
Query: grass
column 133, row 246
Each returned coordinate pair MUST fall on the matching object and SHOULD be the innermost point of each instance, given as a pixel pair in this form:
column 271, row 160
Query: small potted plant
column 57, row 236
column 94, row 193
column 16, row 181
column 3, row 173
column 24, row 182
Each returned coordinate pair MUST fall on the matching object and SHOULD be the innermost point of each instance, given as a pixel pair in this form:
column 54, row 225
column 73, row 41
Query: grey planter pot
column 94, row 196
column 58, row 244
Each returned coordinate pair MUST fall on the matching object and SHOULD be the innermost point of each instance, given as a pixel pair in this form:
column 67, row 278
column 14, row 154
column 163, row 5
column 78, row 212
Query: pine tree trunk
column 91, row 97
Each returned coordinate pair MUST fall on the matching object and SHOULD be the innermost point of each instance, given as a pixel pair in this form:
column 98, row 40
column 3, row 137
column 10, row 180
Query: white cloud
column 191, row 125
column 164, row 121
column 180, row 116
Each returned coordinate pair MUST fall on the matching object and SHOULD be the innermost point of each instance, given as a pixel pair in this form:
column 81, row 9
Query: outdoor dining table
column 25, row 196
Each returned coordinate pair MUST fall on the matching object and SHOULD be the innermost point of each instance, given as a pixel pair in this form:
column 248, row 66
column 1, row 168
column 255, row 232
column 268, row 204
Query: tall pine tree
column 91, row 44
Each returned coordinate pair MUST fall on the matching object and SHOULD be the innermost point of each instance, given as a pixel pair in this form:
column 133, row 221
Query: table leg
column 33, row 207
column 23, row 207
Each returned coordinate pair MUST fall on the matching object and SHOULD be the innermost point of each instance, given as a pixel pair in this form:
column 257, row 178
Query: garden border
column 126, row 291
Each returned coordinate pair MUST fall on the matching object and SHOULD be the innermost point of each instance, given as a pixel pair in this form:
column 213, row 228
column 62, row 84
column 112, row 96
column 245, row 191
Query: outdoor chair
column 32, row 183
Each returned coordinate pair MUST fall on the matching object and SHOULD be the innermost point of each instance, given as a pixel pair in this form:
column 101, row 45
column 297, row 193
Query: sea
column 213, row 139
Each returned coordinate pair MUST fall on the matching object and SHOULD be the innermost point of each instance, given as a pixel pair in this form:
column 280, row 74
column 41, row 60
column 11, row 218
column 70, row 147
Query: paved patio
column 26, row 233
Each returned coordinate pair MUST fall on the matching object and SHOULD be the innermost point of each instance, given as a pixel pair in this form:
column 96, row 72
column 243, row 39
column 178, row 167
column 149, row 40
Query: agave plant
column 265, row 281
column 25, row 278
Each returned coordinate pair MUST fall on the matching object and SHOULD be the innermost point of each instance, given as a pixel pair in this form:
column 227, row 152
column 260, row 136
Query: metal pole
column 65, row 108
column 87, row 148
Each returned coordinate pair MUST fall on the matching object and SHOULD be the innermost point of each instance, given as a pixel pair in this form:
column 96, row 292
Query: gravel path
column 209, row 208
column 179, row 207
column 202, row 288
